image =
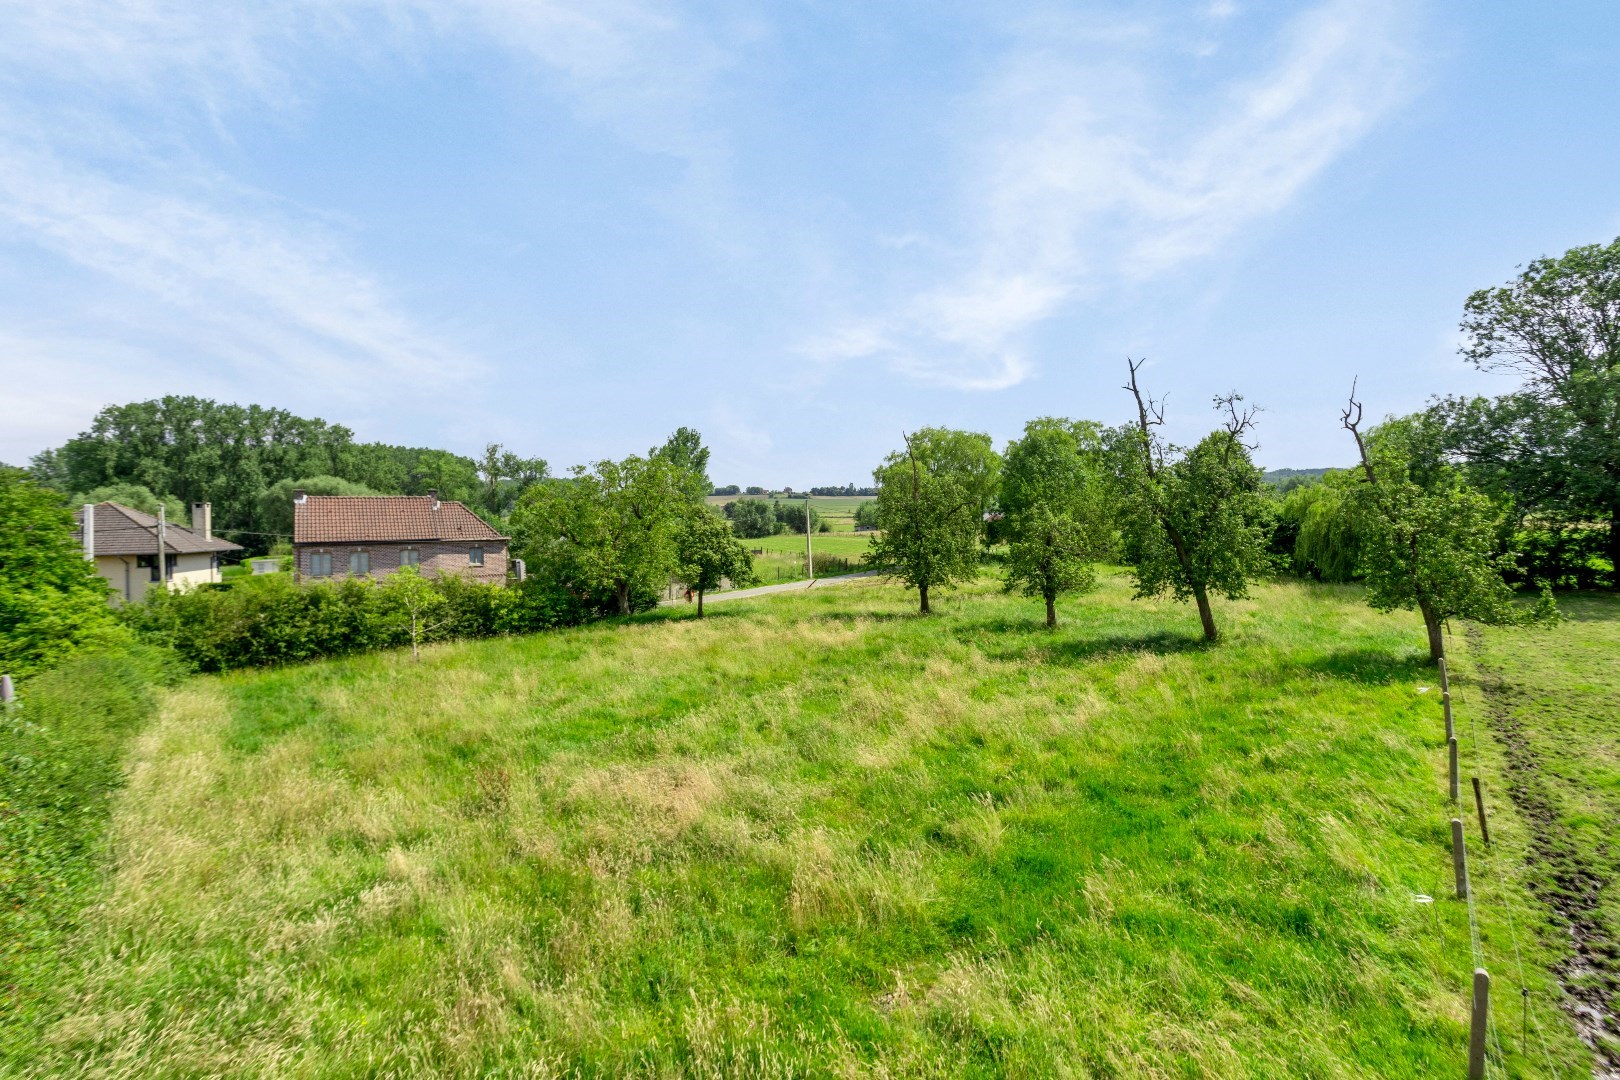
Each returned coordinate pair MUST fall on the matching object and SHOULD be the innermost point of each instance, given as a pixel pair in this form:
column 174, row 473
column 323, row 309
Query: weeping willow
column 1326, row 545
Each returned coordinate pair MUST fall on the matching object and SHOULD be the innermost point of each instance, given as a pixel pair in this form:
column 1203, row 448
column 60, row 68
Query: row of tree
column 246, row 461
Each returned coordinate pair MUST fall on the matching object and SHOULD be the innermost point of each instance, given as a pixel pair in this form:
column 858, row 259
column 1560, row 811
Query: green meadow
column 811, row 834
column 781, row 557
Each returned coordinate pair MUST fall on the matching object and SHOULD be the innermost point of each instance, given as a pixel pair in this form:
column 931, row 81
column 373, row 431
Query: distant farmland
column 836, row 510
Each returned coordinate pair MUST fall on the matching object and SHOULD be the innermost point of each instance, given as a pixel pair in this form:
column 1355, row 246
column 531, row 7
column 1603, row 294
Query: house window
column 359, row 563
column 475, row 556
column 150, row 562
column 410, row 557
column 320, row 564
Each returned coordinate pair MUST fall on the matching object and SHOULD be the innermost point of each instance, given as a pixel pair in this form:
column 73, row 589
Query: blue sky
column 800, row 227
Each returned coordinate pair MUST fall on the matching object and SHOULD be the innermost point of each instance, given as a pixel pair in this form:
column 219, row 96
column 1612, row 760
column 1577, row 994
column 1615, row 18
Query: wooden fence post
column 1479, row 1022
column 1459, row 858
column 1479, row 805
column 1457, row 781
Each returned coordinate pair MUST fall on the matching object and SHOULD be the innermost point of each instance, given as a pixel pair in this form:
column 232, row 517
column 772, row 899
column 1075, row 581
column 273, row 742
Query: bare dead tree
column 1350, row 419
column 1149, row 413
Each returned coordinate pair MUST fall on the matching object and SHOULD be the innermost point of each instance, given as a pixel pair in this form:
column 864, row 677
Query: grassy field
column 1552, row 707
column 812, row 834
column 781, row 557
column 837, row 511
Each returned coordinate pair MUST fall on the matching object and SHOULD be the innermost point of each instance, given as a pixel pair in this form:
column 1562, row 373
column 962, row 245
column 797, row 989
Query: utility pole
column 163, row 548
column 809, row 560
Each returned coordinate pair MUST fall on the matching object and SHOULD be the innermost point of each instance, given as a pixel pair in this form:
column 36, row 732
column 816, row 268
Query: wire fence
column 1493, row 1062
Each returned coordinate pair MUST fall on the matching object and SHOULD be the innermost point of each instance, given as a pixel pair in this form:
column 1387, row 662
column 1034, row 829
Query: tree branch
column 1350, row 418
column 1149, row 413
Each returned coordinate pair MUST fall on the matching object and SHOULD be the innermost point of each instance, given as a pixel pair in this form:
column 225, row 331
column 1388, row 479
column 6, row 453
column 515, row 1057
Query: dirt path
column 1561, row 877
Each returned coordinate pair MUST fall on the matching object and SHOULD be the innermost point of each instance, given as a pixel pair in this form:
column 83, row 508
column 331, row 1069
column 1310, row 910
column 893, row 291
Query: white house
column 122, row 543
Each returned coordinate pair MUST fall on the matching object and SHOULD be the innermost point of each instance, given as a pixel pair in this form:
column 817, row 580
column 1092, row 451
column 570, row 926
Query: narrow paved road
column 766, row 590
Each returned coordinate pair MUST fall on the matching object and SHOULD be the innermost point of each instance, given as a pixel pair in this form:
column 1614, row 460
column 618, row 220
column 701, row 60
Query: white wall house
column 122, row 543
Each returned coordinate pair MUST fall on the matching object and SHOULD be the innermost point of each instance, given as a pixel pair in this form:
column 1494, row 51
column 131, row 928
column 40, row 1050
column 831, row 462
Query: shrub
column 271, row 620
column 52, row 603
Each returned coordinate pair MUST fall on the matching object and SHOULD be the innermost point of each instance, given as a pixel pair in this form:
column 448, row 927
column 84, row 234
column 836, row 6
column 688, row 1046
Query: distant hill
column 1280, row 477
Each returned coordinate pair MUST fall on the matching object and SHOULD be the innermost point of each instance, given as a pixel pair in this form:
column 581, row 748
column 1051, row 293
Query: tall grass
column 808, row 835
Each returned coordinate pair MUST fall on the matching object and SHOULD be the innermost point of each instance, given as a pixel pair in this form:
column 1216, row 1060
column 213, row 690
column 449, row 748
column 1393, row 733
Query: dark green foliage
column 505, row 476
column 276, row 504
column 751, row 518
column 203, row 451
column 137, row 497
column 866, row 514
column 710, row 553
column 930, row 508
column 1426, row 539
column 790, row 515
column 1054, row 510
column 270, row 620
column 52, row 603
column 1567, row 557
column 1193, row 524
column 610, row 528
column 1315, row 532
column 61, row 760
column 1554, row 446
column 685, row 452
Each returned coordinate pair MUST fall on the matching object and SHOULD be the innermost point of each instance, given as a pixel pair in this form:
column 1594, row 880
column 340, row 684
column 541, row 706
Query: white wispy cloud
column 97, row 98
column 1088, row 165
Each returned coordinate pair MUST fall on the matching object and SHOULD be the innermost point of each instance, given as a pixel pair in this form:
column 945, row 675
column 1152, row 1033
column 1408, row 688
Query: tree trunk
column 700, row 603
column 623, row 590
column 1205, row 615
column 1431, row 622
column 923, row 592
column 1051, row 612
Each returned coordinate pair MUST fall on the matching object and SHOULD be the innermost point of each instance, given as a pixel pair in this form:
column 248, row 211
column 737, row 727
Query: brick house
column 122, row 544
column 341, row 536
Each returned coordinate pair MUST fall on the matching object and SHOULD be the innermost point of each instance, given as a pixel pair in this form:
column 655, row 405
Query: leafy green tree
column 52, row 602
column 505, row 477
column 1323, row 542
column 866, row 514
column 751, row 518
column 790, row 515
column 421, row 606
column 1426, row 537
column 929, row 507
column 684, row 450
column 1555, row 444
column 610, row 528
column 137, row 497
column 710, row 553
column 1054, row 510
column 1192, row 524
column 275, row 513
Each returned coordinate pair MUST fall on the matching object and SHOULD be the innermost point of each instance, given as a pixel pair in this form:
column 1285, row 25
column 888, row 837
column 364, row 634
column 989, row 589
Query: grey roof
column 123, row 530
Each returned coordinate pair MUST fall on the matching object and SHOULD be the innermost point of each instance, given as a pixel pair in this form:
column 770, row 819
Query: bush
column 275, row 621
column 1575, row 557
column 52, row 602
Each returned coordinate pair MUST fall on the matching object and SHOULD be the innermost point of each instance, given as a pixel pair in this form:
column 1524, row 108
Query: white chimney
column 298, row 495
column 202, row 519
column 434, row 495
column 90, row 531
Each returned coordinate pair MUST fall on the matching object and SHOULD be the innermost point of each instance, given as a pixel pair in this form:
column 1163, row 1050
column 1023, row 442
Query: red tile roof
column 361, row 519
column 123, row 530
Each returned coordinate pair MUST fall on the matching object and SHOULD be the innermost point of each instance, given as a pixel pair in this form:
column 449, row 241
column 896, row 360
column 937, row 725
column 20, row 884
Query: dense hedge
column 61, row 753
column 271, row 620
